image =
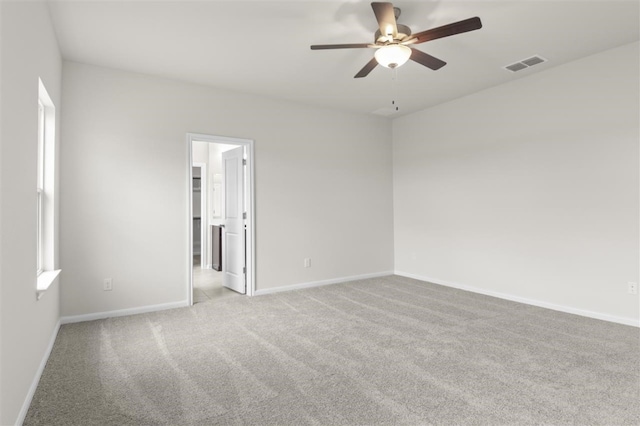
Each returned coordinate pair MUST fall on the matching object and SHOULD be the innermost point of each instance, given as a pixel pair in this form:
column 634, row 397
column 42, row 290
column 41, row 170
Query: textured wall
column 29, row 51
column 528, row 189
column 323, row 187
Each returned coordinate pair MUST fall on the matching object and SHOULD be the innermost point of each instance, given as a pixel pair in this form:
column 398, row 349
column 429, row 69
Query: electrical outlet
column 107, row 284
column 632, row 288
column 307, row 262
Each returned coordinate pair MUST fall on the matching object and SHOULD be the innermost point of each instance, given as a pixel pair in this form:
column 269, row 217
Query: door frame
column 250, row 207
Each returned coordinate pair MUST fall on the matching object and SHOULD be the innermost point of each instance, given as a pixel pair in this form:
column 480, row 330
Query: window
column 40, row 187
column 45, row 187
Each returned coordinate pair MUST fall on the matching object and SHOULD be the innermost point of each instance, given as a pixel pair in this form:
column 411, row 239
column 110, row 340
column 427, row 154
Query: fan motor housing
column 403, row 33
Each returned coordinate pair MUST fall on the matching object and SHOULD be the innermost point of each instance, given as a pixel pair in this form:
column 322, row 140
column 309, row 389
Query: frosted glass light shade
column 392, row 56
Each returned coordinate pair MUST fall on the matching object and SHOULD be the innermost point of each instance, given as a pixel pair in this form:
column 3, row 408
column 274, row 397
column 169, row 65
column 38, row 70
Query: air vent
column 535, row 60
column 516, row 67
column 525, row 63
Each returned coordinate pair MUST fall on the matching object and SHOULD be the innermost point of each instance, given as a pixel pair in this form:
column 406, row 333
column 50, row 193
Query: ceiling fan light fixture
column 393, row 55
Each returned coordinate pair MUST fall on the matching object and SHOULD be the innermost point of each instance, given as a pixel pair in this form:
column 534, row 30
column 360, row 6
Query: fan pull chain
column 394, row 89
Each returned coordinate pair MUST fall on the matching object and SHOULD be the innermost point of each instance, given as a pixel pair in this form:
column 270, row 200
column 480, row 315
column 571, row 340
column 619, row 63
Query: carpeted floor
column 386, row 351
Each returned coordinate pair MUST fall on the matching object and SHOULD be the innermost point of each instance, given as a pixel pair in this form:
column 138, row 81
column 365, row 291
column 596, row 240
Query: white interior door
column 233, row 235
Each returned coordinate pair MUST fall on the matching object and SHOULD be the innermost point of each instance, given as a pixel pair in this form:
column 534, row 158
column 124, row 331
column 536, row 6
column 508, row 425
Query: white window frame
column 46, row 272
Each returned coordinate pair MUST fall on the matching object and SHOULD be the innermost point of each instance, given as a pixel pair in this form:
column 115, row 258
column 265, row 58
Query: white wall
column 200, row 152
column 323, row 187
column 529, row 189
column 28, row 50
column 1, row 204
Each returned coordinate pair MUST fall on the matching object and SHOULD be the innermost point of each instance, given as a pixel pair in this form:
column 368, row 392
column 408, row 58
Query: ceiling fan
column 392, row 40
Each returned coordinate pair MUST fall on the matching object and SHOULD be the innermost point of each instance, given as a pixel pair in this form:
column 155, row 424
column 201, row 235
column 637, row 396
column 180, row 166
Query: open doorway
column 199, row 213
column 221, row 219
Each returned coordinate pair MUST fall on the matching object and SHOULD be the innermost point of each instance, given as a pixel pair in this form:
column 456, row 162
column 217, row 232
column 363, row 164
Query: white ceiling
column 262, row 47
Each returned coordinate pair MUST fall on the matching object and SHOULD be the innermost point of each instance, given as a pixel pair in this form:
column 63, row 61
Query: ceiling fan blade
column 386, row 18
column 426, row 60
column 367, row 69
column 446, row 31
column 341, row 46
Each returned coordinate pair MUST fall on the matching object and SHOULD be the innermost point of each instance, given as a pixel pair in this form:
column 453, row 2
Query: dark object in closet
column 216, row 247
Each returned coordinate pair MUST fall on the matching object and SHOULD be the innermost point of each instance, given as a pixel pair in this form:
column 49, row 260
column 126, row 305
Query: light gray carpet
column 387, row 351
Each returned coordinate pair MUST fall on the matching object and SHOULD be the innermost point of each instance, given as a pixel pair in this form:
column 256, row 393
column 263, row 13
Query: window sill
column 45, row 279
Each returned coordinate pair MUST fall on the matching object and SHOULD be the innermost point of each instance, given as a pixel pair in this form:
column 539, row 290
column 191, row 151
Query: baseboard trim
column 36, row 379
column 122, row 312
column 321, row 283
column 562, row 308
